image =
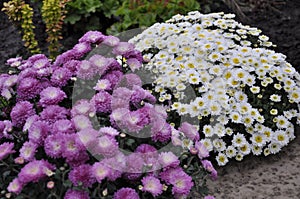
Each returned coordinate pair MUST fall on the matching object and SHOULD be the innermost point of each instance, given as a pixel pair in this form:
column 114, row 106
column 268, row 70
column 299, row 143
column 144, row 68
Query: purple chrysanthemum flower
column 6, row 93
column 106, row 146
column 182, row 183
column 130, row 80
column 117, row 165
column 28, row 88
column 53, row 145
column 134, row 166
column 134, row 54
column 209, row 167
column 103, row 85
column 121, row 98
column 100, row 171
column 116, row 117
column 53, row 113
column 126, row 193
column 14, row 62
column 83, row 107
column 35, row 57
column 42, row 62
column 102, row 102
column 64, row 58
column 114, row 65
column 113, row 77
column 134, row 64
column 167, row 174
column 10, row 81
column 15, row 186
column 168, row 159
column 148, row 152
column 152, row 185
column 100, row 63
column 72, row 65
column 82, row 174
column 44, row 72
column 202, row 150
column 72, row 146
column 29, row 122
column 34, row 171
column 5, row 149
column 6, row 126
column 81, row 158
column 38, row 131
column 88, row 137
column 135, row 121
column 86, row 70
column 95, row 37
column 63, row 126
column 122, row 48
column 20, row 112
column 189, row 131
column 108, row 131
column 81, row 122
column 76, row 194
column 81, row 48
column 140, row 95
column 60, row 77
column 45, row 82
column 111, row 40
column 161, row 131
column 28, row 150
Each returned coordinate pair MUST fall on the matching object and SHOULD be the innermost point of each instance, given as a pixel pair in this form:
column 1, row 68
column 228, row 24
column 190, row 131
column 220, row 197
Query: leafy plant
column 142, row 13
column 53, row 14
column 21, row 13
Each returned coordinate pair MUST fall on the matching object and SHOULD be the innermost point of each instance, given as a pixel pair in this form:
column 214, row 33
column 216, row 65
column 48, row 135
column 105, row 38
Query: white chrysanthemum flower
column 245, row 149
column 282, row 122
column 255, row 89
column 238, row 140
column 247, row 120
column 219, row 144
column 280, row 137
column 295, row 95
column 235, row 117
column 228, row 131
column 239, row 156
column 208, row 131
column 274, row 147
column 258, row 139
column 275, row 98
column 256, row 150
column 273, row 111
column 221, row 159
column 223, row 119
column 215, row 108
column 230, row 151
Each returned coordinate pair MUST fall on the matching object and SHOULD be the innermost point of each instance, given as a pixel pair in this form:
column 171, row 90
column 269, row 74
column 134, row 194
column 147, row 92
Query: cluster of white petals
column 226, row 74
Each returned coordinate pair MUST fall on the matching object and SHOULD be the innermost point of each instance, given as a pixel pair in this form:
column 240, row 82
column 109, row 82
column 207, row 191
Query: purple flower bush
column 115, row 143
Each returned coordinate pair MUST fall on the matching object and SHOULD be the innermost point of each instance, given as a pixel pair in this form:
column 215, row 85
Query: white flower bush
column 245, row 95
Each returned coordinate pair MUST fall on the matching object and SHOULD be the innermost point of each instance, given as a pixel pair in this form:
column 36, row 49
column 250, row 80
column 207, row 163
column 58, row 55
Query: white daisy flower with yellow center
column 208, row 131
column 275, row 98
column 256, row 150
column 280, row 137
column 221, row 159
column 238, row 140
